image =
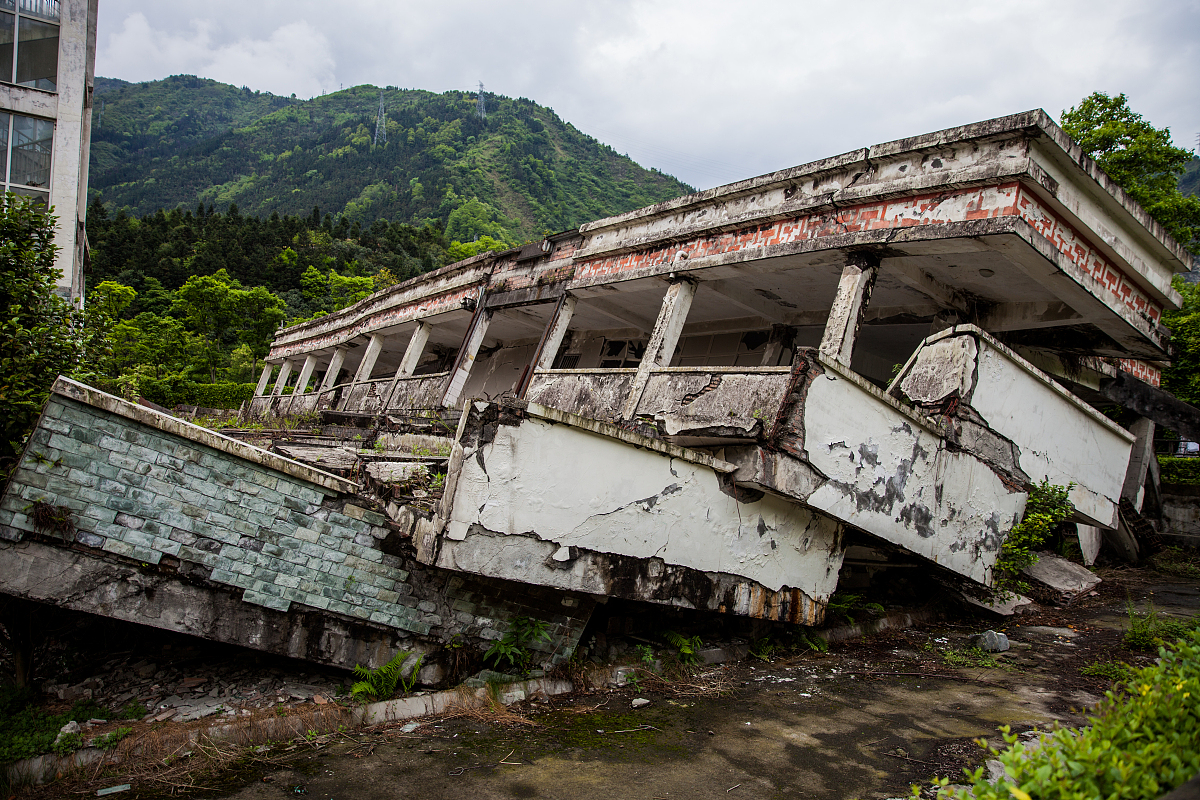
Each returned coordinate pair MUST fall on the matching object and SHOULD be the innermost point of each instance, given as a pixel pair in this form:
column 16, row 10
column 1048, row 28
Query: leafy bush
column 171, row 392
column 686, row 647
column 1148, row 631
column 1109, row 670
column 1176, row 561
column 1179, row 470
column 109, row 740
column 513, row 648
column 1141, row 742
column 26, row 731
column 1047, row 506
column 381, row 683
column 842, row 603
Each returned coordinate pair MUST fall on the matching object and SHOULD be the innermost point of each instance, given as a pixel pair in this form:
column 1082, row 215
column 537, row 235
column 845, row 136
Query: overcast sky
column 711, row 92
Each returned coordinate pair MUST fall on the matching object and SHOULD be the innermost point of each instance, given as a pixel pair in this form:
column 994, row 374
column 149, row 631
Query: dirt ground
column 865, row 720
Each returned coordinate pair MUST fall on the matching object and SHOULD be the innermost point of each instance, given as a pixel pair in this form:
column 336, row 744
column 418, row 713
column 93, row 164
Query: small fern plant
column 381, row 683
column 512, row 651
column 687, row 647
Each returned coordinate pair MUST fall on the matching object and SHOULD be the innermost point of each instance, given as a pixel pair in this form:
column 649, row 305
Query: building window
column 26, row 144
column 29, row 43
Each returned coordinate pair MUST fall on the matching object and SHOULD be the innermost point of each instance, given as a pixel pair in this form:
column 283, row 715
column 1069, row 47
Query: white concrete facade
column 66, row 104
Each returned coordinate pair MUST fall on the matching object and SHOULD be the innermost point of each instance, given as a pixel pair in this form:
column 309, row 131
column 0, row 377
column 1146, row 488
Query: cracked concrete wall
column 998, row 400
column 551, row 504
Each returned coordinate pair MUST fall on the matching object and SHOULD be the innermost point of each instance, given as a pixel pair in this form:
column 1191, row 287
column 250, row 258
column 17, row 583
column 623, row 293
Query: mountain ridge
column 520, row 173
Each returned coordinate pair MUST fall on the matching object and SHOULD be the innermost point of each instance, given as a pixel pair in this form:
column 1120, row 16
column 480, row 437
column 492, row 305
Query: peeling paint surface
column 573, row 489
column 1058, row 440
column 895, row 479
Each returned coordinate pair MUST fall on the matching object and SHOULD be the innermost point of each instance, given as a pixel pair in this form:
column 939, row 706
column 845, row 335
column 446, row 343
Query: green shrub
column 1140, row 742
column 1047, row 506
column 27, row 731
column 109, row 740
column 381, row 683
column 687, row 648
column 220, row 395
column 1109, row 670
column 1148, row 631
column 1179, row 470
column 513, row 648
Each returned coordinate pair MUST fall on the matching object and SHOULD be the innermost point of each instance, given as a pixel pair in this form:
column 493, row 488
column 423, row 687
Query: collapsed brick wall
column 162, row 503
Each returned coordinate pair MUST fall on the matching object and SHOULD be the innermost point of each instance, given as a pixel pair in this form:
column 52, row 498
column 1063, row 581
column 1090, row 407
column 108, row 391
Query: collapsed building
column 713, row 403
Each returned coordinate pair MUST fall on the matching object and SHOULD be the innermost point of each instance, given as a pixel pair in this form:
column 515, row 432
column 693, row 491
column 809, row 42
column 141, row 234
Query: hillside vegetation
column 513, row 176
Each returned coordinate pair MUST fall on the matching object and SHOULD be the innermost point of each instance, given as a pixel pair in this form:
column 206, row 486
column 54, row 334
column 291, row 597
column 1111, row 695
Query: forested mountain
column 514, row 175
column 1189, row 181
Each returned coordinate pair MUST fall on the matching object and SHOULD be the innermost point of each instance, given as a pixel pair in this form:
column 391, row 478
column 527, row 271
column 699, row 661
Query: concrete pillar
column 556, row 333
column 335, row 366
column 302, row 382
column 466, row 358
column 412, row 357
column 668, row 326
column 263, row 380
column 849, row 306
column 365, row 367
column 1139, row 462
column 1089, row 542
column 285, row 372
column 781, row 336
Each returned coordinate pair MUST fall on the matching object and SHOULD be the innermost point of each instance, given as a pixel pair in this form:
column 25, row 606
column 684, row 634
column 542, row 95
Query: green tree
column 1182, row 378
column 39, row 330
column 1139, row 157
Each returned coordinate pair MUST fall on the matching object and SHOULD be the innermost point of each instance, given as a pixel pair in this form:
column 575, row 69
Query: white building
column 47, row 73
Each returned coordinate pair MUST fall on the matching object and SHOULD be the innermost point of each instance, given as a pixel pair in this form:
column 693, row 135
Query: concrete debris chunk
column 990, row 642
column 639, row 702
column 1008, row 606
column 1067, row 579
column 66, row 730
column 397, row 471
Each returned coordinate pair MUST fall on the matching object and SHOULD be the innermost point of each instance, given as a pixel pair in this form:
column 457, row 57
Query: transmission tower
column 380, row 123
column 480, row 105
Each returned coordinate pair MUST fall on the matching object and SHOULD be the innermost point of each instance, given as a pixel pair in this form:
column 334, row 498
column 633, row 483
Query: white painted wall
column 892, row 477
column 1059, row 438
column 572, row 487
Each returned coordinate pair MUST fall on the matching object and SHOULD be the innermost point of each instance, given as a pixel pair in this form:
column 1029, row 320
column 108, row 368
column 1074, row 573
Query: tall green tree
column 1139, row 157
column 40, row 332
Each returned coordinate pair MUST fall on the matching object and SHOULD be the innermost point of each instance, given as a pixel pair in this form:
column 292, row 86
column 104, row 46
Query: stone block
column 166, row 546
column 231, row 553
column 112, row 487
column 130, row 521
column 121, row 461
column 89, row 539
column 990, row 641
column 170, row 462
column 130, row 551
column 81, row 478
column 287, row 581
column 266, row 600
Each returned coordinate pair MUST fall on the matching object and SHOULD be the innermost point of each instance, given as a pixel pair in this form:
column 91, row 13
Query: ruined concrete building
column 712, row 403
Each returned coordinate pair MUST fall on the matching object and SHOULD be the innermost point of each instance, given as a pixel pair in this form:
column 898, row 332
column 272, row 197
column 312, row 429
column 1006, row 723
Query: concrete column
column 849, row 306
column 335, row 366
column 1139, row 462
column 285, row 372
column 302, row 382
column 412, row 357
column 781, row 336
column 365, row 367
column 1089, row 542
column 466, row 359
column 668, row 326
column 556, row 333
column 263, row 380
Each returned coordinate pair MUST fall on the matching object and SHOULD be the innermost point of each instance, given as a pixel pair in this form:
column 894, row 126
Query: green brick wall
column 140, row 493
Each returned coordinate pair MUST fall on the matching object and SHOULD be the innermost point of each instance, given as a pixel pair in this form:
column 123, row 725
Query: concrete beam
column 849, row 306
column 1029, row 316
column 1153, row 403
column 285, row 372
column 335, row 366
column 263, row 380
column 466, row 358
column 661, row 348
column 302, row 382
column 1139, row 461
column 365, row 367
column 412, row 357
column 556, row 332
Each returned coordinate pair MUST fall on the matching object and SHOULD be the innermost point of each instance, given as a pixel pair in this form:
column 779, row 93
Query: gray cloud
column 708, row 91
